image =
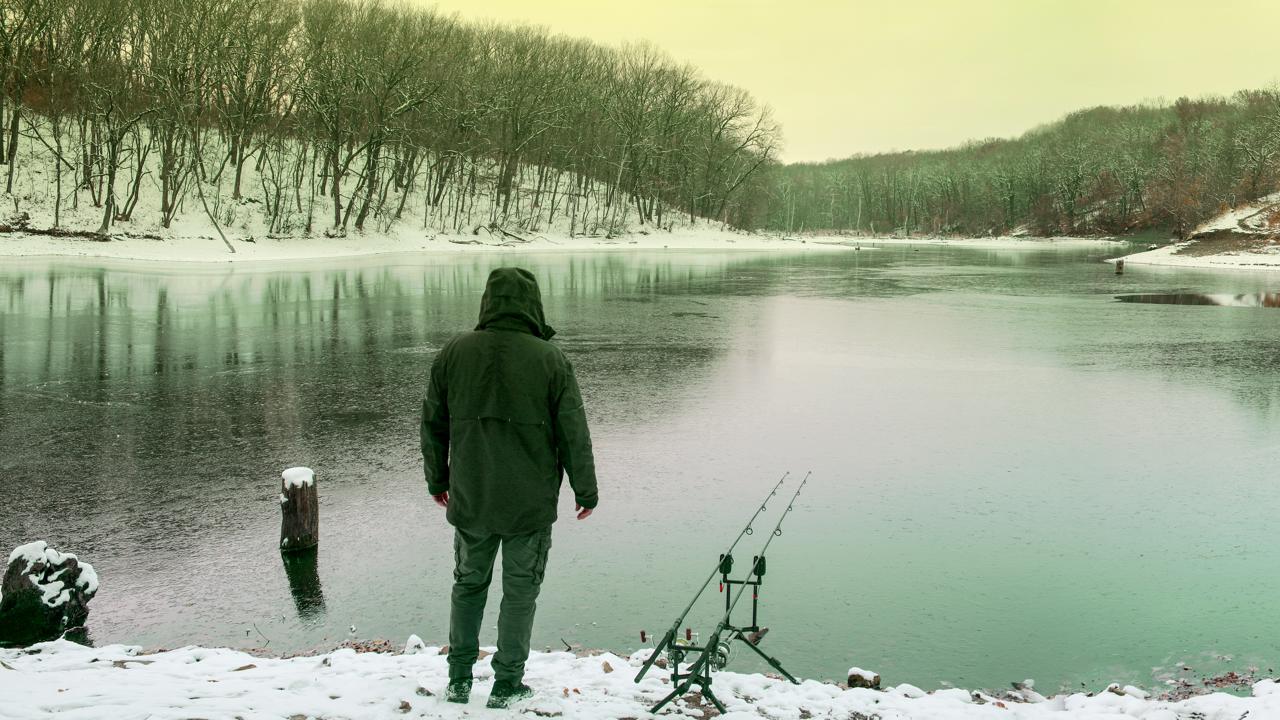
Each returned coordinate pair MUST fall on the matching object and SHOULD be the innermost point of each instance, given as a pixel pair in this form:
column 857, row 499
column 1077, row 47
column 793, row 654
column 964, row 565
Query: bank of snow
column 210, row 250
column 1175, row 255
column 1242, row 238
column 64, row 680
column 994, row 242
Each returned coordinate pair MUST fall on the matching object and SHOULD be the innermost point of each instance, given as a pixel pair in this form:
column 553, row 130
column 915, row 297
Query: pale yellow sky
column 877, row 75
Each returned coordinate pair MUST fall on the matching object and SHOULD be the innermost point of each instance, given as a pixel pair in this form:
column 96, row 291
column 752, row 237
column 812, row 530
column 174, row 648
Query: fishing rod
column 714, row 655
column 675, row 627
column 721, row 658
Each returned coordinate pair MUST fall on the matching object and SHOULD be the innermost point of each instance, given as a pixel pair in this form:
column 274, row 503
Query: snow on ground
column 206, row 249
column 64, row 680
column 211, row 250
column 1241, row 238
column 425, row 225
column 998, row 242
column 1248, row 218
column 1261, row 259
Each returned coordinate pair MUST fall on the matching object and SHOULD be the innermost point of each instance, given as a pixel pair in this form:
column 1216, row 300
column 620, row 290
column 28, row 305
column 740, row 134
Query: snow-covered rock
column 43, row 593
column 859, row 678
column 414, row 646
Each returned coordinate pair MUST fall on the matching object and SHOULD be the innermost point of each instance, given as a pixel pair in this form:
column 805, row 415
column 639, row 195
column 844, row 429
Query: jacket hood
column 512, row 302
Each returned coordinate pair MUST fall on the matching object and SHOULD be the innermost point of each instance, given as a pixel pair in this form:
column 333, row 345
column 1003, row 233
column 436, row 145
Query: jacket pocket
column 457, row 557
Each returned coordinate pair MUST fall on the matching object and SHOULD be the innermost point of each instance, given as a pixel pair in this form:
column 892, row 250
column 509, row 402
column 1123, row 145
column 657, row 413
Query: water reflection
column 303, row 571
column 140, row 409
column 1252, row 300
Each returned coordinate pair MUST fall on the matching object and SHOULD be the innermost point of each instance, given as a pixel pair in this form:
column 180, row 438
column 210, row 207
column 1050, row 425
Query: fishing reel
column 715, row 654
column 679, row 648
column 719, row 655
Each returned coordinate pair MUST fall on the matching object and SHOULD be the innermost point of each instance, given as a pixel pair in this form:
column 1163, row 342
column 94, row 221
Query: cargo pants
column 524, row 561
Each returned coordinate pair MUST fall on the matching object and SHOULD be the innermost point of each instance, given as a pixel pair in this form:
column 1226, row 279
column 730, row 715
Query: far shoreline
column 212, row 251
column 187, row 250
column 1171, row 256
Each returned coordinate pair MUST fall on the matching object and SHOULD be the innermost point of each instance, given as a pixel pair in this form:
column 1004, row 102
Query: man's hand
column 583, row 513
column 442, row 499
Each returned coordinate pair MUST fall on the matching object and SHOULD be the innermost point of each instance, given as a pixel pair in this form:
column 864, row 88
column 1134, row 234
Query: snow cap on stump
column 298, row 477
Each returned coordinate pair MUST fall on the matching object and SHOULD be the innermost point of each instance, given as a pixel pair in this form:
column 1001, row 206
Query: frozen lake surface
column 1015, row 474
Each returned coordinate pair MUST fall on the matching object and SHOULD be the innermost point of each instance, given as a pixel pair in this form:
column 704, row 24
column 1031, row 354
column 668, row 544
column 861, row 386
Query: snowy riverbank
column 706, row 237
column 212, row 250
column 64, row 680
column 997, row 242
column 1183, row 255
column 1240, row 238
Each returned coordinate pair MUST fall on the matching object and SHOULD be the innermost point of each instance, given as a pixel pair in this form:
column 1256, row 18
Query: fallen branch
column 512, row 235
column 64, row 233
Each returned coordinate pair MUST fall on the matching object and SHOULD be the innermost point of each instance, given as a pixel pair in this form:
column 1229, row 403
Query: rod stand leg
column 706, row 693
column 663, row 702
column 772, row 661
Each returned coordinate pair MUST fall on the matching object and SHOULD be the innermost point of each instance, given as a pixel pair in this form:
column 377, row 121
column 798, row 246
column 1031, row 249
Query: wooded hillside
column 328, row 114
column 1103, row 170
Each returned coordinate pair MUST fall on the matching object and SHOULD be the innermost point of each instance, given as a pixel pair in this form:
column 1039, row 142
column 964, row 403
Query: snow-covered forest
column 301, row 117
column 1102, row 170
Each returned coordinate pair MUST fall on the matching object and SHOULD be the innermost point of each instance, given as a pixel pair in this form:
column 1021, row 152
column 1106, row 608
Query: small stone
column 444, row 650
column 425, row 692
column 607, row 667
column 414, row 645
column 405, row 706
column 242, row 668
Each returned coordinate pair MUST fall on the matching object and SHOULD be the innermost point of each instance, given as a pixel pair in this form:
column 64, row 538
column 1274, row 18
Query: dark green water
column 1015, row 474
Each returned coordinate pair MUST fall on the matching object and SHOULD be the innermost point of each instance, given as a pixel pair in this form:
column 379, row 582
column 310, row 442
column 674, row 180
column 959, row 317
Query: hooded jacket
column 503, row 420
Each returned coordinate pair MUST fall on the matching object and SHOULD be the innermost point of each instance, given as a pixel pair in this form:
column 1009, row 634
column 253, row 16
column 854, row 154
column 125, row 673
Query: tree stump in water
column 300, row 508
column 43, row 594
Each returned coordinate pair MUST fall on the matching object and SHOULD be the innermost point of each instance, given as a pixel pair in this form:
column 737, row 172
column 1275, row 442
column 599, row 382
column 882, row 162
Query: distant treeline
column 324, row 115
column 360, row 103
column 1104, row 170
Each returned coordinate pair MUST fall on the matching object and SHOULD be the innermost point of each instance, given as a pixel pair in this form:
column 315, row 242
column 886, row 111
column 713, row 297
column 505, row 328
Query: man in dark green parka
column 502, row 423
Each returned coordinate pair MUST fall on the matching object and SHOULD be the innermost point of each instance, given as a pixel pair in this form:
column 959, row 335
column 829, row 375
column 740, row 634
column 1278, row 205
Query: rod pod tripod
column 715, row 654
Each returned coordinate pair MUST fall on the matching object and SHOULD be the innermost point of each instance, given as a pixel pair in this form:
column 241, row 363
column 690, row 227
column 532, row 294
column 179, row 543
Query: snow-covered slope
column 1260, row 217
column 1246, row 237
column 281, row 217
column 64, row 680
